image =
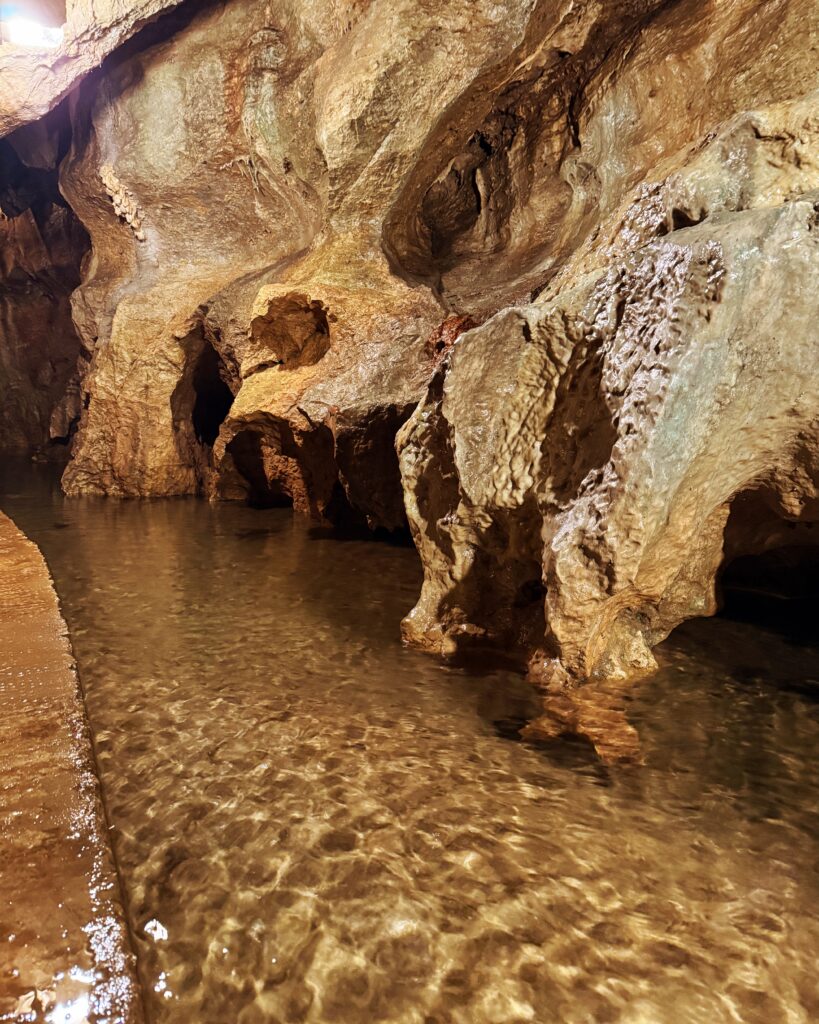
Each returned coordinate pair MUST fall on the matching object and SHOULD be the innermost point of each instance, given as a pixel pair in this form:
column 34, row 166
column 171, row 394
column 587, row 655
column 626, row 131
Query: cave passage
column 770, row 574
column 776, row 590
column 42, row 249
column 527, row 286
column 212, row 396
column 263, row 490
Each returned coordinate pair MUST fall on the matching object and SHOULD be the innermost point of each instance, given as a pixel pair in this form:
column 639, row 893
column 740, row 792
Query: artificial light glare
column 23, row 32
column 74, row 1012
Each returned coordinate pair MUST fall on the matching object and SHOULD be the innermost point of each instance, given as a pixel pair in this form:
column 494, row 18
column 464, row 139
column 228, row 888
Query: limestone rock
column 34, row 80
column 238, row 265
column 571, row 471
column 570, row 247
column 41, row 249
column 574, row 466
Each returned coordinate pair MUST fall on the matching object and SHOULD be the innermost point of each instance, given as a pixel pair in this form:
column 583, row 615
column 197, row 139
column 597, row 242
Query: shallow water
column 314, row 824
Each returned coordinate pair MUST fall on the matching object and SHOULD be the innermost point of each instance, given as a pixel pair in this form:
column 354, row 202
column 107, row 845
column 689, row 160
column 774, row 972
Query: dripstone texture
column 566, row 252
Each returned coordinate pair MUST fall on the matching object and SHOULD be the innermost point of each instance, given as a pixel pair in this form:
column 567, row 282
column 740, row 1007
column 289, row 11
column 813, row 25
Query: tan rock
column 34, row 80
column 596, row 442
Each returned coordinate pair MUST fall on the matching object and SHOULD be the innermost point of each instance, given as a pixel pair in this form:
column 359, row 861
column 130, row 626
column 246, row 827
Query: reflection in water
column 314, row 824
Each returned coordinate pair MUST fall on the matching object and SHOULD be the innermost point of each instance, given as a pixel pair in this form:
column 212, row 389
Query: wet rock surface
column 595, row 443
column 64, row 953
column 574, row 245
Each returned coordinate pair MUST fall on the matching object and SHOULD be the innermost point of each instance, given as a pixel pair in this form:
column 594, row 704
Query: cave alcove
column 263, row 490
column 769, row 577
column 42, row 248
column 212, row 398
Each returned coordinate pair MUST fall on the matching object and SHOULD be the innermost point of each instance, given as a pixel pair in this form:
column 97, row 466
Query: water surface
column 315, row 824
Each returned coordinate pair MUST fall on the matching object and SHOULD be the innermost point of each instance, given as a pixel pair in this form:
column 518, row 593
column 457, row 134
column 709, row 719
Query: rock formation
column 33, row 81
column 41, row 249
column 566, row 252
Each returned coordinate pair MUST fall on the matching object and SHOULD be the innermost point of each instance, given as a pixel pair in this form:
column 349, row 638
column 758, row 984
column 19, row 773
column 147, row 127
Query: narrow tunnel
column 212, row 396
column 770, row 575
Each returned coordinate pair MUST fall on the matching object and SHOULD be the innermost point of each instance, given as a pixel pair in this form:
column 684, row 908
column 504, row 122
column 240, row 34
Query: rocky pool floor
column 315, row 824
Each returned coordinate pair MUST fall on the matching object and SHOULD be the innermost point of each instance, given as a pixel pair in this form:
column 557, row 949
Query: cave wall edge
column 536, row 280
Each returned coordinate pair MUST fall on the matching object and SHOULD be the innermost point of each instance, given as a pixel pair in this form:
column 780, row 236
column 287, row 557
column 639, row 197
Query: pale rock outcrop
column 34, row 80
column 582, row 453
column 572, row 469
column 592, row 459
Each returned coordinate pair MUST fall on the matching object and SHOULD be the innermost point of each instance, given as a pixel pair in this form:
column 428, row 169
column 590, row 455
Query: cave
column 527, row 291
column 43, row 248
column 212, row 395
column 770, row 573
column 265, row 489
column 777, row 590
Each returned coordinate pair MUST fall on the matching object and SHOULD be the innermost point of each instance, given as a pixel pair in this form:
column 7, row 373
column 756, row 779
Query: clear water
column 315, row 824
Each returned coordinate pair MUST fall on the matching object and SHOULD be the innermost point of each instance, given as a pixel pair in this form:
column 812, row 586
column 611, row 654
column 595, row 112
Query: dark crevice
column 212, row 396
column 43, row 245
column 770, row 575
column 777, row 590
column 680, row 219
column 264, row 490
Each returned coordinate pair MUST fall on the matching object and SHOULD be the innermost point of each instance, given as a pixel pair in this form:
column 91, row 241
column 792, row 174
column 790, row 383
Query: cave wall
column 42, row 246
column 564, row 253
column 574, row 465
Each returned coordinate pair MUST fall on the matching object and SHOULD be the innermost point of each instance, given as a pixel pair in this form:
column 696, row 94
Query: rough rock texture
column 602, row 435
column 32, row 81
column 572, row 469
column 578, row 240
column 64, row 951
column 41, row 250
column 248, row 337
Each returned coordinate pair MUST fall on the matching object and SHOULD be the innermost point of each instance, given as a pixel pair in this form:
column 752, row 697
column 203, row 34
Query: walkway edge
column 64, row 947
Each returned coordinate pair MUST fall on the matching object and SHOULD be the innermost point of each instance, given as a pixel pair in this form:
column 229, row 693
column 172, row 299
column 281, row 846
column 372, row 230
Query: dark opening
column 42, row 247
column 777, row 590
column 263, row 491
column 770, row 577
column 212, row 397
